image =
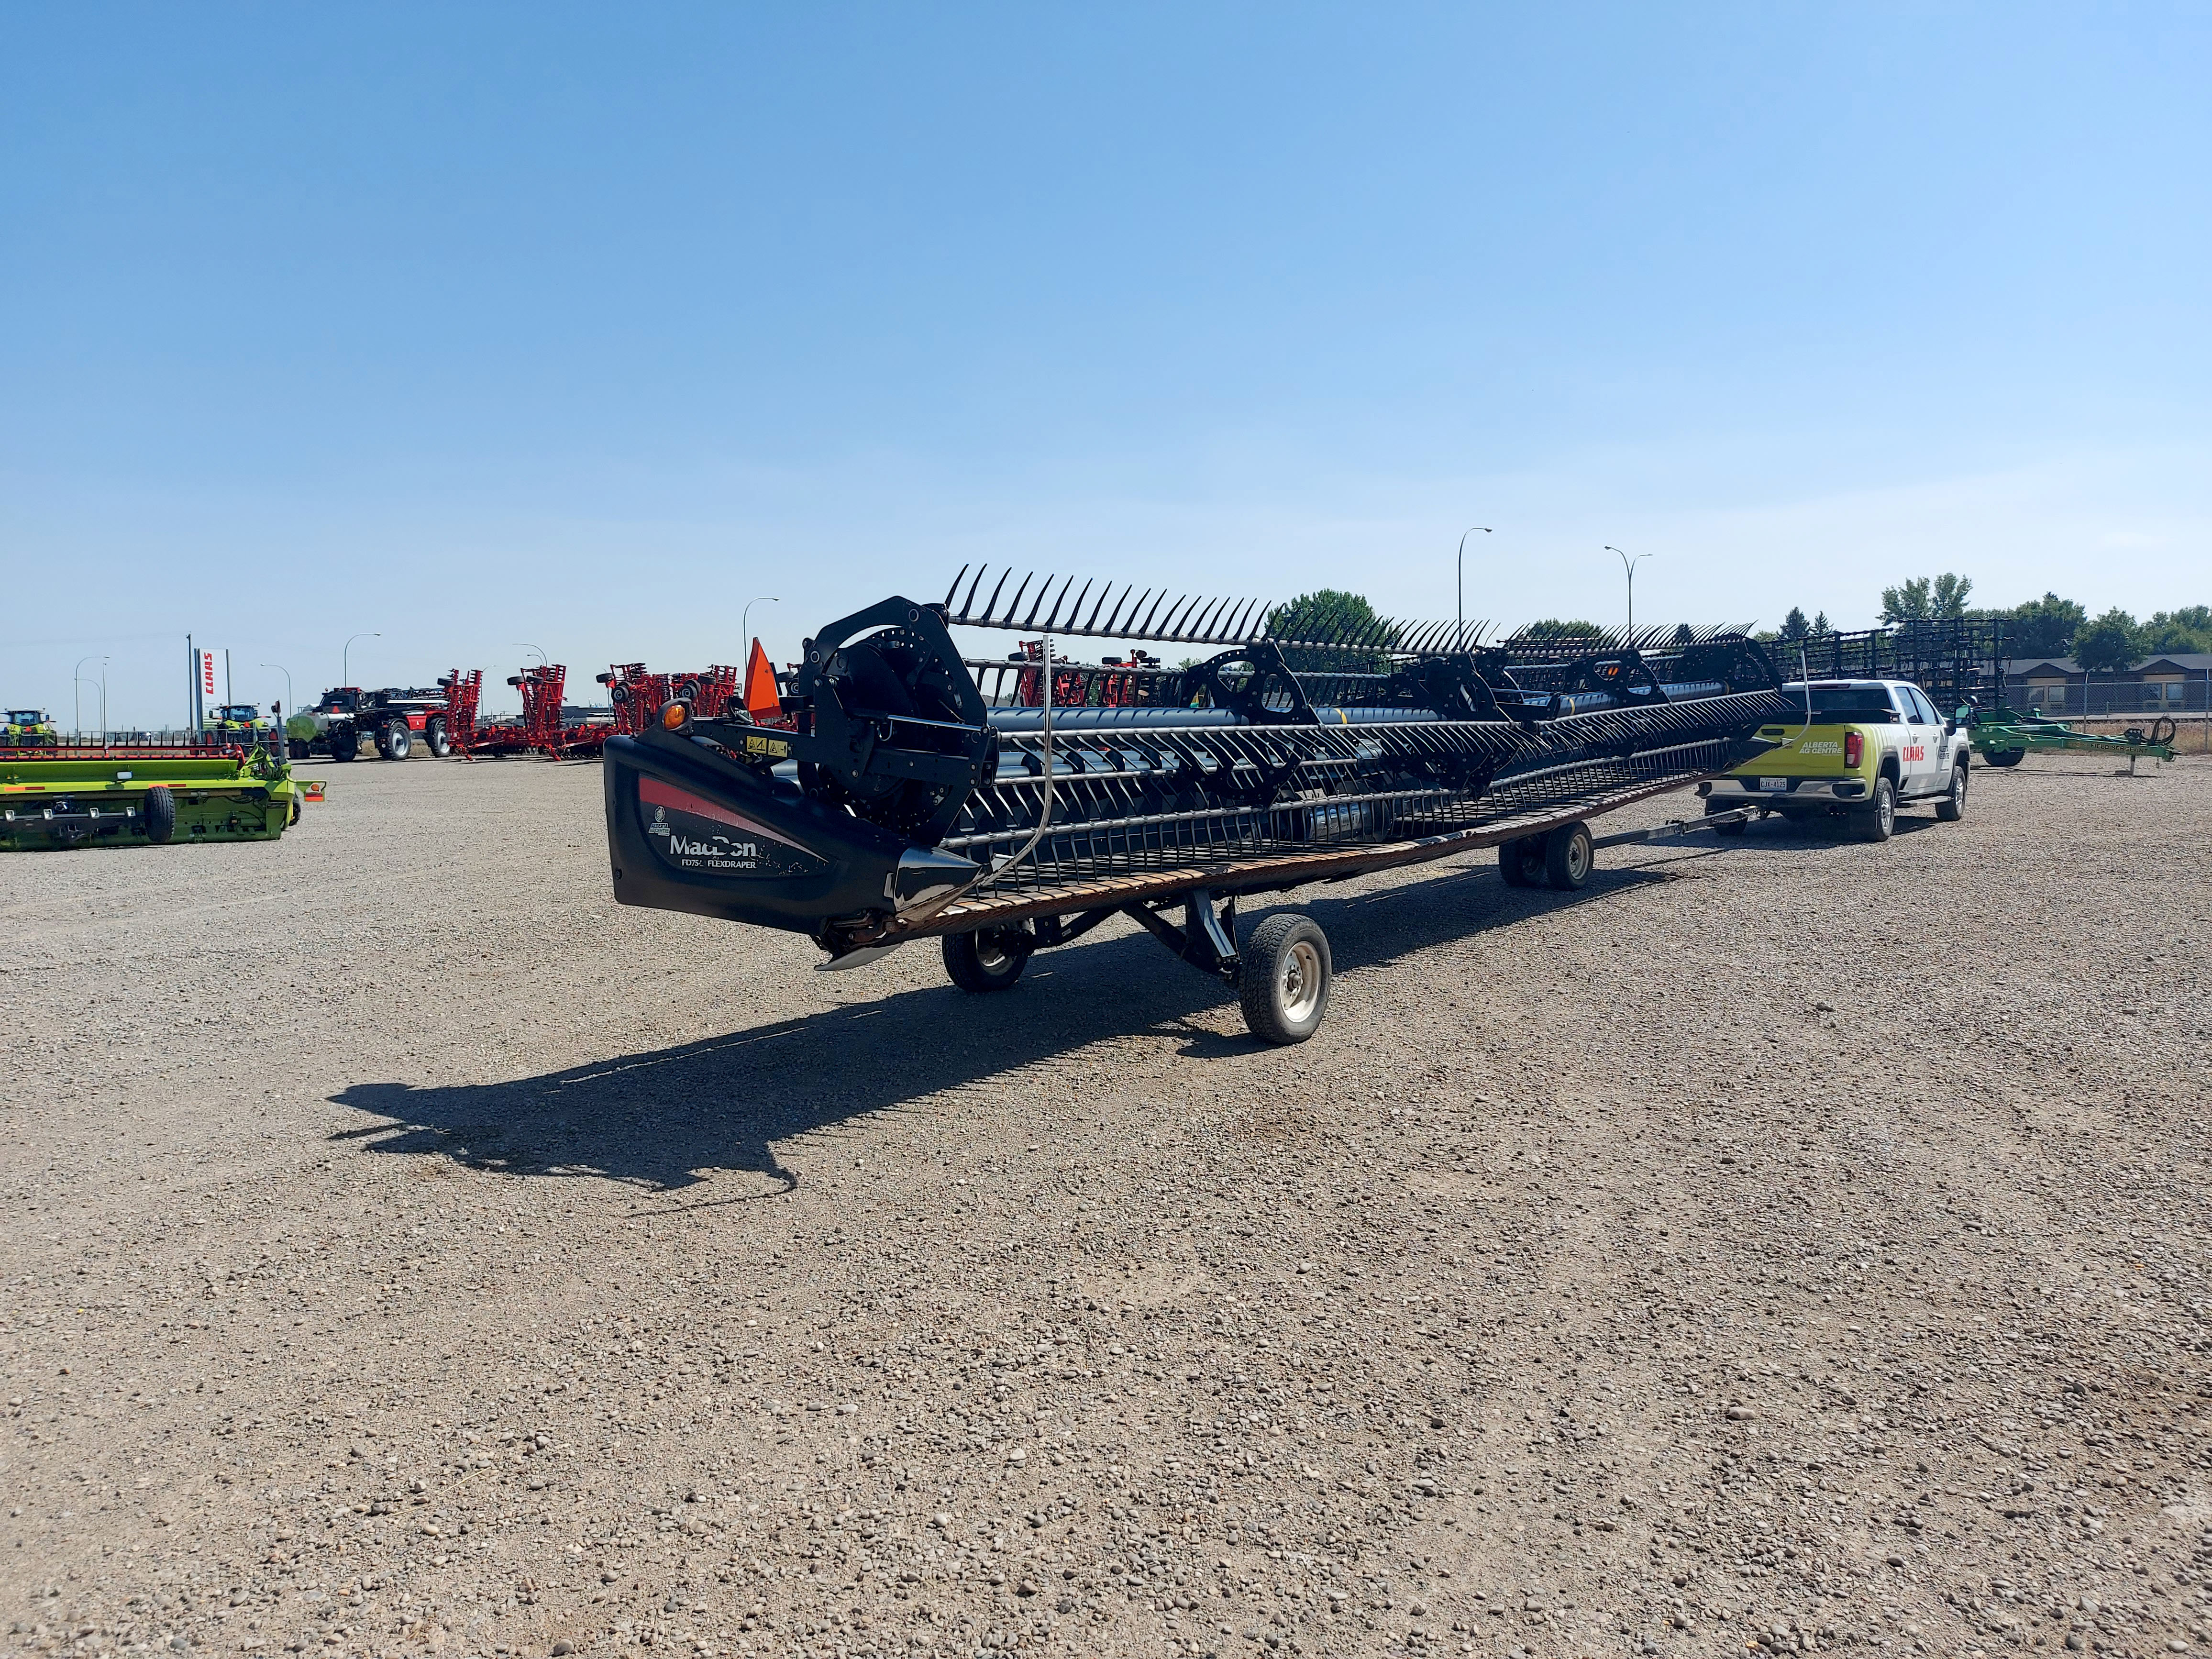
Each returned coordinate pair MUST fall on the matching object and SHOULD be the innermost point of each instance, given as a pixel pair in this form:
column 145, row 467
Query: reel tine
column 985, row 619
column 1015, row 603
column 954, row 588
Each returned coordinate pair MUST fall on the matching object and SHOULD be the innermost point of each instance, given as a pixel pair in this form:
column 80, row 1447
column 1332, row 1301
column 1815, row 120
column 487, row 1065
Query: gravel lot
column 1795, row 1242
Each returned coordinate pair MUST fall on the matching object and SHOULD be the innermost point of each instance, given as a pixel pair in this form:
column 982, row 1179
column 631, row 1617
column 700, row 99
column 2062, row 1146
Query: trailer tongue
column 922, row 794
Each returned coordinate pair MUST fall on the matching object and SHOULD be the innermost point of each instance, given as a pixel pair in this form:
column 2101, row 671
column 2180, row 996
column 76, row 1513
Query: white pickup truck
column 1861, row 747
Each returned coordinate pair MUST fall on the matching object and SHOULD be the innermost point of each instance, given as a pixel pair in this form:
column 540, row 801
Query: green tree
column 1820, row 628
column 1926, row 598
column 2189, row 628
column 1552, row 628
column 2041, row 627
column 1793, row 626
column 2111, row 643
column 1330, row 614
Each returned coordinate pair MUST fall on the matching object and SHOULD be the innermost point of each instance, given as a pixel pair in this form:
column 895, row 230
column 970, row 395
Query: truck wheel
column 345, row 743
column 2005, row 756
column 1714, row 808
column 1516, row 861
column 1569, row 856
column 161, row 813
column 398, row 739
column 1285, row 979
column 989, row 959
column 1877, row 820
column 434, row 734
column 1952, row 806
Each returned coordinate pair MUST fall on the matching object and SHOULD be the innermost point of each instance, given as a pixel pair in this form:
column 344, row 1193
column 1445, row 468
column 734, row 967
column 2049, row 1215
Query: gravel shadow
column 668, row 1118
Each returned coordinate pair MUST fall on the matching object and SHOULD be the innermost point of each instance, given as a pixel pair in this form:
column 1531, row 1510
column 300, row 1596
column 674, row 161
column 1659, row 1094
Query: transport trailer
column 905, row 803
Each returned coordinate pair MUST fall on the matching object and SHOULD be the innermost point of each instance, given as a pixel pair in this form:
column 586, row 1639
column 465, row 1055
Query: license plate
column 1779, row 785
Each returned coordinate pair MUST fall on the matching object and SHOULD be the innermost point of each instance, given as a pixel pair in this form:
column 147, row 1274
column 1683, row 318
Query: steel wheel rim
column 990, row 955
column 1578, row 857
column 1885, row 809
column 1299, row 985
column 1959, row 787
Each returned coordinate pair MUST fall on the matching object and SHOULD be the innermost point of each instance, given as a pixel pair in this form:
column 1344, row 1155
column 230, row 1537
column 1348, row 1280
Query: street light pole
column 345, row 657
column 745, row 619
column 525, row 645
column 1629, row 565
column 103, row 703
column 1459, row 586
column 77, row 693
column 287, row 673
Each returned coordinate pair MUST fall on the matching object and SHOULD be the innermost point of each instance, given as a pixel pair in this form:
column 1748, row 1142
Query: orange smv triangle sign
column 762, row 701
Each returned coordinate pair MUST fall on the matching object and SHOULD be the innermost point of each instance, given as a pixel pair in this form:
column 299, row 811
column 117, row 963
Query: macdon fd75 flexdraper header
column 919, row 793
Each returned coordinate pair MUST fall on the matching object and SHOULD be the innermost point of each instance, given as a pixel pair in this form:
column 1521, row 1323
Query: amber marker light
column 675, row 716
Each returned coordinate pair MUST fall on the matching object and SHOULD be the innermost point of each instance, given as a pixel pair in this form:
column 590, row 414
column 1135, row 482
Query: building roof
column 2195, row 663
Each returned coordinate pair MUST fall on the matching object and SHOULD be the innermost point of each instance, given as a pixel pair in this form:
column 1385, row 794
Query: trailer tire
column 1516, row 862
column 161, row 814
column 1569, row 857
column 398, row 739
column 1284, row 979
column 1951, row 805
column 989, row 959
column 434, row 737
column 2005, row 756
column 1877, row 820
column 1714, row 808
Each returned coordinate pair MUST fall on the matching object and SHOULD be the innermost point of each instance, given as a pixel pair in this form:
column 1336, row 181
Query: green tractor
column 235, row 722
column 29, row 728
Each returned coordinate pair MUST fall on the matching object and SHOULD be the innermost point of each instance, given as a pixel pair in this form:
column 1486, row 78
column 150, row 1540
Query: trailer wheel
column 160, row 810
column 1516, row 862
column 989, row 959
column 1952, row 806
column 1714, row 808
column 433, row 735
column 2005, row 756
column 1284, row 980
column 398, row 739
column 1569, row 856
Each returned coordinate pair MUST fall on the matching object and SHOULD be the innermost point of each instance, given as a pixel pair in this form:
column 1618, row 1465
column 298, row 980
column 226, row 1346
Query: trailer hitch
column 1206, row 940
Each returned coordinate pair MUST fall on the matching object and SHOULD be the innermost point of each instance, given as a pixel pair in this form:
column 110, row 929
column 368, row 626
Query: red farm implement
column 639, row 695
column 544, row 728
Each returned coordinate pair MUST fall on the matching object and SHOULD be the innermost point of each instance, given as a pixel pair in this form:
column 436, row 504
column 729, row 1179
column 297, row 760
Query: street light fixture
column 1460, row 602
column 345, row 657
column 745, row 619
column 1629, row 565
column 525, row 645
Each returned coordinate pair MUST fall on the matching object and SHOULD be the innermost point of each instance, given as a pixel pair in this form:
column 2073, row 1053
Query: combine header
column 919, row 793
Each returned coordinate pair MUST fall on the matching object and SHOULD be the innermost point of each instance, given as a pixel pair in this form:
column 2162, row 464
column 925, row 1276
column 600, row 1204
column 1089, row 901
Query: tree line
column 2048, row 627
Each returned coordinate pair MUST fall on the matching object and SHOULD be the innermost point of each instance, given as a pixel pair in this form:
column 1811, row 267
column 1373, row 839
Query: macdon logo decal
column 695, row 834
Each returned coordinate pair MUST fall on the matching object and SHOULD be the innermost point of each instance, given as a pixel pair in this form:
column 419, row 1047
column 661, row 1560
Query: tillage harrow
column 919, row 793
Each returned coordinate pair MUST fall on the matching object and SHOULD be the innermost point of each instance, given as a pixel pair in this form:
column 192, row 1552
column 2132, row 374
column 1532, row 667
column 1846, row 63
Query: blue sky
column 480, row 325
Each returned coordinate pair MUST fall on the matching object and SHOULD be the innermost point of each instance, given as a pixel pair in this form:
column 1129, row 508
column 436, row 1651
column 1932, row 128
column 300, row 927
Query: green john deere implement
column 2006, row 737
column 68, row 796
